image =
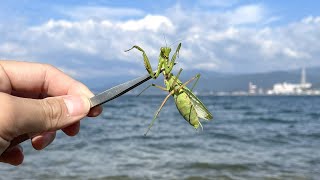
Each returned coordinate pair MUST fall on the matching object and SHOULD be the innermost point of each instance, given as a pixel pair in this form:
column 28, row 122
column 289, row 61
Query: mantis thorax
column 164, row 57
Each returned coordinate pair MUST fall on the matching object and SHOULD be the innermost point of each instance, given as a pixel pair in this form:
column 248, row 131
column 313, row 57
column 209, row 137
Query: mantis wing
column 201, row 110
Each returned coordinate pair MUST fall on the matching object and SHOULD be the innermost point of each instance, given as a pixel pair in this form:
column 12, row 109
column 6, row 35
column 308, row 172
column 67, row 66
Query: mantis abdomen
column 186, row 108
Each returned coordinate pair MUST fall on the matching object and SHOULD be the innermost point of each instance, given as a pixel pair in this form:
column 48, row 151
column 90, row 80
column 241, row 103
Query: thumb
column 20, row 115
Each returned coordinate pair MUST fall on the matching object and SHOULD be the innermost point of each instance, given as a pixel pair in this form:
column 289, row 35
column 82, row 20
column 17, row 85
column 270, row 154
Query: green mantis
column 188, row 105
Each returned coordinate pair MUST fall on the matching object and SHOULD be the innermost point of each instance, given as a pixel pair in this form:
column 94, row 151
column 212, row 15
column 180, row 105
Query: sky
column 88, row 38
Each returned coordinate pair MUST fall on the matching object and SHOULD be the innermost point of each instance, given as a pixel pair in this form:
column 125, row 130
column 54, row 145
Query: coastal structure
column 304, row 88
column 293, row 89
column 252, row 88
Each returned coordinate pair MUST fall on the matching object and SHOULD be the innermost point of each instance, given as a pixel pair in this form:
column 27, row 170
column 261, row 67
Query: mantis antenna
column 164, row 37
column 177, row 41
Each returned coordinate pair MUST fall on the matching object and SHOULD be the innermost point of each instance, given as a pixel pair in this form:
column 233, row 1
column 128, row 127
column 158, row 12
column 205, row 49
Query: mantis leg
column 157, row 113
column 177, row 77
column 186, row 83
column 190, row 80
column 154, row 85
column 173, row 59
column 165, row 100
column 146, row 62
column 183, row 85
column 195, row 83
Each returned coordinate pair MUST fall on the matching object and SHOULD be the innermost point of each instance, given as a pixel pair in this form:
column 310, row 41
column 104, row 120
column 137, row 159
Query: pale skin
column 38, row 100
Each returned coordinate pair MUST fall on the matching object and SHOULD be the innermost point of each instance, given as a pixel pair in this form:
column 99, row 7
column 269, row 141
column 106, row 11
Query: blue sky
column 229, row 36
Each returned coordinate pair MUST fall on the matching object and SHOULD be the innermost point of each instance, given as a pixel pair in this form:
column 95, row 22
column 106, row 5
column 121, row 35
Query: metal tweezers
column 101, row 98
column 117, row 91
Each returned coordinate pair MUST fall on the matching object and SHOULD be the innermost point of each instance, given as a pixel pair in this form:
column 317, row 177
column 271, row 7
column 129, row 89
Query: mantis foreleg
column 147, row 62
column 173, row 59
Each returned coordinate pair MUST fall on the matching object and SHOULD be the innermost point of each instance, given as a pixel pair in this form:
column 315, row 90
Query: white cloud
column 229, row 33
column 89, row 72
column 9, row 50
column 149, row 22
column 293, row 54
column 235, row 40
column 206, row 66
column 311, row 20
column 99, row 13
column 247, row 14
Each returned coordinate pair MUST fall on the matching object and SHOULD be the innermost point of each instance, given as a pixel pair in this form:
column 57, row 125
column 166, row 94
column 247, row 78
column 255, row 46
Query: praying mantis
column 188, row 104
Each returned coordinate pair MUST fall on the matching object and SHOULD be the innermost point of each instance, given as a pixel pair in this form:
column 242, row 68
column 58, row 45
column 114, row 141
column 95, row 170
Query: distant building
column 252, row 89
column 290, row 88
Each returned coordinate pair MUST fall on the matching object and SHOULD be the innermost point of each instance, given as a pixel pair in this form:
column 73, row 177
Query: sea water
column 250, row 138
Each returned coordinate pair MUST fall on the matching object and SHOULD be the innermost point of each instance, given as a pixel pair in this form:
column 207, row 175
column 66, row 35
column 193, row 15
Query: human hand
column 37, row 100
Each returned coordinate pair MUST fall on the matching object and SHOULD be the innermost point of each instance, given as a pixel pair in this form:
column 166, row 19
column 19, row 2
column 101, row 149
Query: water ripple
column 250, row 138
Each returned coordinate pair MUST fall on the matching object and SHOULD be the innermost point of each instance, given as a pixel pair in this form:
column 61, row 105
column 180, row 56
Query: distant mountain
column 214, row 81
column 262, row 80
column 236, row 82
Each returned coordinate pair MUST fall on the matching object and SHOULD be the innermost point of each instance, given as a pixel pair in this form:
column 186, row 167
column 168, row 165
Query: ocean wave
column 290, row 111
column 314, row 115
column 219, row 166
column 252, row 113
column 250, row 138
column 273, row 120
column 118, row 177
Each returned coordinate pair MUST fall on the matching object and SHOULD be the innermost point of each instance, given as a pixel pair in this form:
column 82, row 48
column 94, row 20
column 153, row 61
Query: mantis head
column 165, row 51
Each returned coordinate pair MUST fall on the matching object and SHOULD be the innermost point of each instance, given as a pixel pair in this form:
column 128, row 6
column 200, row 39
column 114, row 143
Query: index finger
column 41, row 78
column 44, row 79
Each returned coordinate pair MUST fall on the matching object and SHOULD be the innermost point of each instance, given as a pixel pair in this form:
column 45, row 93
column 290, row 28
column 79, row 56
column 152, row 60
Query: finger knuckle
column 7, row 116
column 48, row 66
column 53, row 112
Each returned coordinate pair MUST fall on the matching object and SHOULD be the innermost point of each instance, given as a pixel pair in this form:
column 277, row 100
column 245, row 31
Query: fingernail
column 77, row 105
